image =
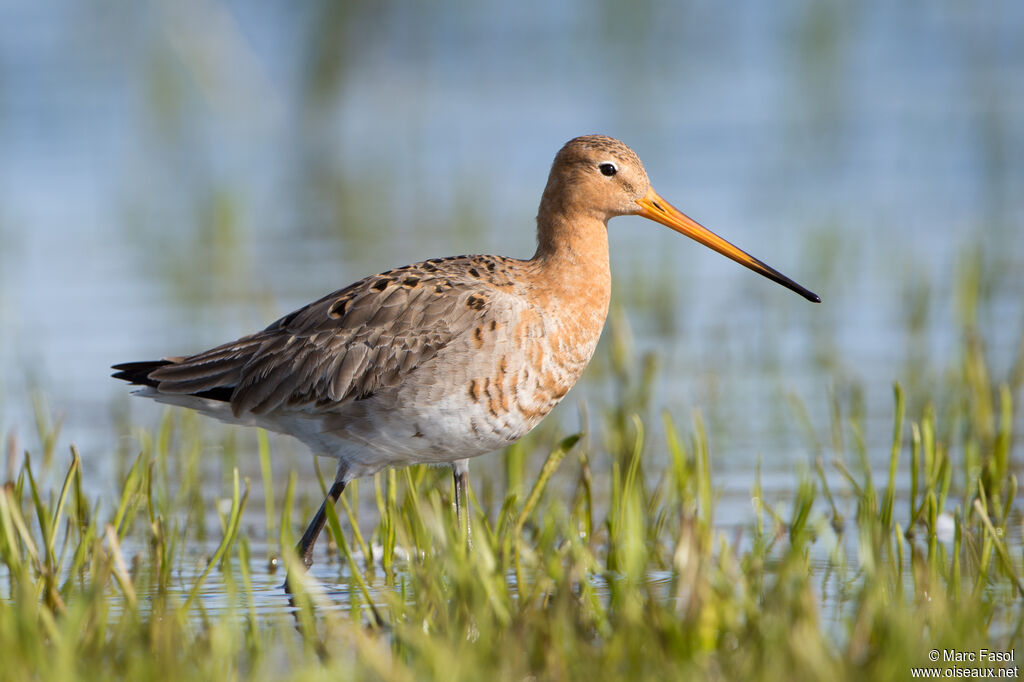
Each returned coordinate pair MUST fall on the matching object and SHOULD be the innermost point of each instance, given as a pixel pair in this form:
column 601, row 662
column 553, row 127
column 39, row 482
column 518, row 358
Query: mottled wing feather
column 346, row 346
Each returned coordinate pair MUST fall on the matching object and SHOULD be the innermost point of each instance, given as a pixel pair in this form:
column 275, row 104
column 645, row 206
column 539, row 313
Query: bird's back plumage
column 428, row 362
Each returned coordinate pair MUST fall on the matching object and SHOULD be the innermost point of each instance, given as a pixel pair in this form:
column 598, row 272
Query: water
column 173, row 175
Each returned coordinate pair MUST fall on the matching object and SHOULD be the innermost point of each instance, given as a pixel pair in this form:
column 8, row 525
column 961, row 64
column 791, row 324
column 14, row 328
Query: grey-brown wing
column 346, row 346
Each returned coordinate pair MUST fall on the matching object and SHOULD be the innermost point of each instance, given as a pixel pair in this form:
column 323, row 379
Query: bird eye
column 608, row 169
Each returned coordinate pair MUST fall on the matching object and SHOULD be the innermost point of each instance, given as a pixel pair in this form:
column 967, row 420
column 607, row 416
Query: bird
column 443, row 360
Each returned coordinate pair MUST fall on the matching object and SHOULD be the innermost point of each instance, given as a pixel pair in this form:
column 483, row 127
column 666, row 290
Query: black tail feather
column 137, row 373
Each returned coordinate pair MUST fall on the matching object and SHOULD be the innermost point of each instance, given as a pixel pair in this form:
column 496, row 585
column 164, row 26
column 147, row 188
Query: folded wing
column 346, row 346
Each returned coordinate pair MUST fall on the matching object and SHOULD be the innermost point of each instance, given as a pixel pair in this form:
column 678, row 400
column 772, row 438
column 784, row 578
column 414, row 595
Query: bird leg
column 308, row 541
column 460, row 472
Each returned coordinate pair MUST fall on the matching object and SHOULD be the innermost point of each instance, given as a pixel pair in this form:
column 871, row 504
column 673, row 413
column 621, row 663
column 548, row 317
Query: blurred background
column 174, row 174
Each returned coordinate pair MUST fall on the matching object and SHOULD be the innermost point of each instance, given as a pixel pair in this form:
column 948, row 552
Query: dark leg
column 305, row 550
column 460, row 472
column 308, row 541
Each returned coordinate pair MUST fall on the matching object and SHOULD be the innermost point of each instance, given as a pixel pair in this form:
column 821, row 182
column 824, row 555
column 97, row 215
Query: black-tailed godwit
column 444, row 360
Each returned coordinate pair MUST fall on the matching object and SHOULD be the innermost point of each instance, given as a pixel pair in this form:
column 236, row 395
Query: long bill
column 657, row 209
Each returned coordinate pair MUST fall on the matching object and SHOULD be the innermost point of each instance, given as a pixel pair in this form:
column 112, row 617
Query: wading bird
column 443, row 360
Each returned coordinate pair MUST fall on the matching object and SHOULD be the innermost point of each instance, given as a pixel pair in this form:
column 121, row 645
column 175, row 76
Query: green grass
column 648, row 589
column 571, row 572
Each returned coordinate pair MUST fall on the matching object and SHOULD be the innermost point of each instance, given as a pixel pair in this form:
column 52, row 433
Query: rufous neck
column 569, row 230
column 570, row 240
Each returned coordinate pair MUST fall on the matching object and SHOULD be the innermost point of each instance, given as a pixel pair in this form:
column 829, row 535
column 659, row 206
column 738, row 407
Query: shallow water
column 174, row 175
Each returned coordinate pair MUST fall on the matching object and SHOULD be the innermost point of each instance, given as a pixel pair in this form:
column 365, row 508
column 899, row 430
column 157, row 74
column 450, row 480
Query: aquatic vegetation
column 566, row 575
